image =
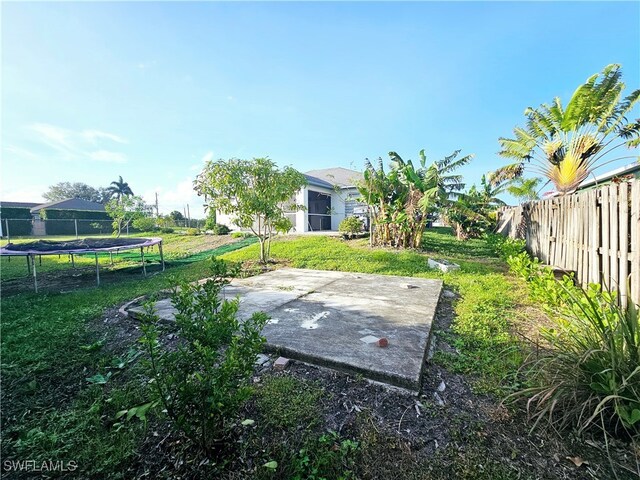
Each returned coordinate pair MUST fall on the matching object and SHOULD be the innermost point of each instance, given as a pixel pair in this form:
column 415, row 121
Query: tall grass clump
column 588, row 374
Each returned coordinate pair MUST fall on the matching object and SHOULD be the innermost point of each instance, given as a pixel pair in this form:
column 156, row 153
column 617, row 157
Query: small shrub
column 192, row 232
column 204, row 381
column 144, row 224
column 241, row 235
column 220, row 229
column 350, row 226
column 591, row 374
column 544, row 288
column 505, row 247
column 167, row 230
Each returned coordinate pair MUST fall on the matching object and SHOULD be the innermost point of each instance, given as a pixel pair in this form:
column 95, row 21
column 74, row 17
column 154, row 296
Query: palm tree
column 525, row 189
column 119, row 189
column 565, row 144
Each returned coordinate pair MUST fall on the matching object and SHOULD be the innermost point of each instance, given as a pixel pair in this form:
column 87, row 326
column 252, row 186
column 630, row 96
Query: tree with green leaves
column 402, row 199
column 125, row 211
column 564, row 144
column 66, row 190
column 176, row 216
column 256, row 192
column 119, row 189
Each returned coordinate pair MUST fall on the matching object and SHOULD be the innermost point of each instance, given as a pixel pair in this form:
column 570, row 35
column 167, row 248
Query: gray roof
column 70, row 204
column 343, row 177
column 318, row 182
column 18, row 204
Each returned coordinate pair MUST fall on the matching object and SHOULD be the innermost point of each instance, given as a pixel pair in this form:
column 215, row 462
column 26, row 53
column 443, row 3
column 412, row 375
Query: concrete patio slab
column 322, row 317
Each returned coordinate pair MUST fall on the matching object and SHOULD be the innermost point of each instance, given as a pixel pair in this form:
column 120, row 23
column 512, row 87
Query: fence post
column 75, row 222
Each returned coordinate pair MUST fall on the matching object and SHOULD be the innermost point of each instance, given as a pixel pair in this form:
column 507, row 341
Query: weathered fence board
column 595, row 233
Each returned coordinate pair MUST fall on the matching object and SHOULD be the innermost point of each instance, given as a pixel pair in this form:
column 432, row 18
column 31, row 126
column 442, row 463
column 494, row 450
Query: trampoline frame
column 32, row 254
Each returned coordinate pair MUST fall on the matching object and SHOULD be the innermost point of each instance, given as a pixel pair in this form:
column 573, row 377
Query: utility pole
column 189, row 215
column 157, row 211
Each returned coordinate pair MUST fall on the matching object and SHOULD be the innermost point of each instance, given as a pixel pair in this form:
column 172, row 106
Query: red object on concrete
column 383, row 342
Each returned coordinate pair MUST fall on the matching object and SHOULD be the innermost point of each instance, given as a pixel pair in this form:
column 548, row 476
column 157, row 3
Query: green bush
column 192, row 232
column 241, row 235
column 167, row 230
column 589, row 373
column 145, row 224
column 204, row 381
column 220, row 229
column 350, row 226
column 505, row 247
column 211, row 221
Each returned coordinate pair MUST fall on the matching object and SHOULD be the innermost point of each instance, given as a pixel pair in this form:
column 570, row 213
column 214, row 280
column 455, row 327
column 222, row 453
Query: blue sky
column 147, row 90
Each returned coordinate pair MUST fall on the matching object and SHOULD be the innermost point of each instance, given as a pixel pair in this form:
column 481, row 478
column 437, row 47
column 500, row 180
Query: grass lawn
column 70, row 363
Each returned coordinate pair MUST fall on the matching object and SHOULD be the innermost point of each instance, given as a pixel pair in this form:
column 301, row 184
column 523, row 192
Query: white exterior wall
column 301, row 215
column 302, row 224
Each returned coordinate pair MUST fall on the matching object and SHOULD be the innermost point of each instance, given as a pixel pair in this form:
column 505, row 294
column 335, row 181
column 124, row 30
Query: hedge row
column 57, row 214
column 17, row 228
column 68, row 227
column 15, row 212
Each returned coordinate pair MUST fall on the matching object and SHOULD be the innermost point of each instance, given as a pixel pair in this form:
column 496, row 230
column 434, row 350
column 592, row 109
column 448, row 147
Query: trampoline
column 84, row 246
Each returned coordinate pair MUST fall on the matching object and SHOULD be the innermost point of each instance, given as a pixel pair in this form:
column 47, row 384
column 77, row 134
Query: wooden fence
column 595, row 233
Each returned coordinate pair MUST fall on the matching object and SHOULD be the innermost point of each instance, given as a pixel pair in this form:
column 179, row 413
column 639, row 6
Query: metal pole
column 144, row 269
column 35, row 277
column 28, row 266
column 127, row 229
column 161, row 255
column 73, row 262
column 111, row 257
column 75, row 222
column 6, row 224
column 97, row 270
column 40, row 259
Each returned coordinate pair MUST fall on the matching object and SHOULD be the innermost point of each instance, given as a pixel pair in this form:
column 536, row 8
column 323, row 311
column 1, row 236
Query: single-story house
column 62, row 217
column 68, row 204
column 329, row 197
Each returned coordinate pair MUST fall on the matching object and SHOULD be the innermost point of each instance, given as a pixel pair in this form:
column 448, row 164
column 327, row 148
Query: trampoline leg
column 97, row 270
column 161, row 255
column 35, row 277
column 28, row 265
column 40, row 259
column 144, row 268
column 111, row 257
column 73, row 262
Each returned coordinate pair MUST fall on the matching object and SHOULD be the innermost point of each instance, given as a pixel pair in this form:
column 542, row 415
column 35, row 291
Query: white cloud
column 94, row 135
column 107, row 156
column 33, row 193
column 197, row 167
column 176, row 198
column 80, row 145
column 20, row 152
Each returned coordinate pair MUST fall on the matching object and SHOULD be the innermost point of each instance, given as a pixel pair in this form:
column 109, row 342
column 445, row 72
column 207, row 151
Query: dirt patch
column 446, row 432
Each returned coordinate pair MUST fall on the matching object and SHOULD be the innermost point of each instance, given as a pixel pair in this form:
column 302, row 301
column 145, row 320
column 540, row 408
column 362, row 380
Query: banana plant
column 402, row 199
